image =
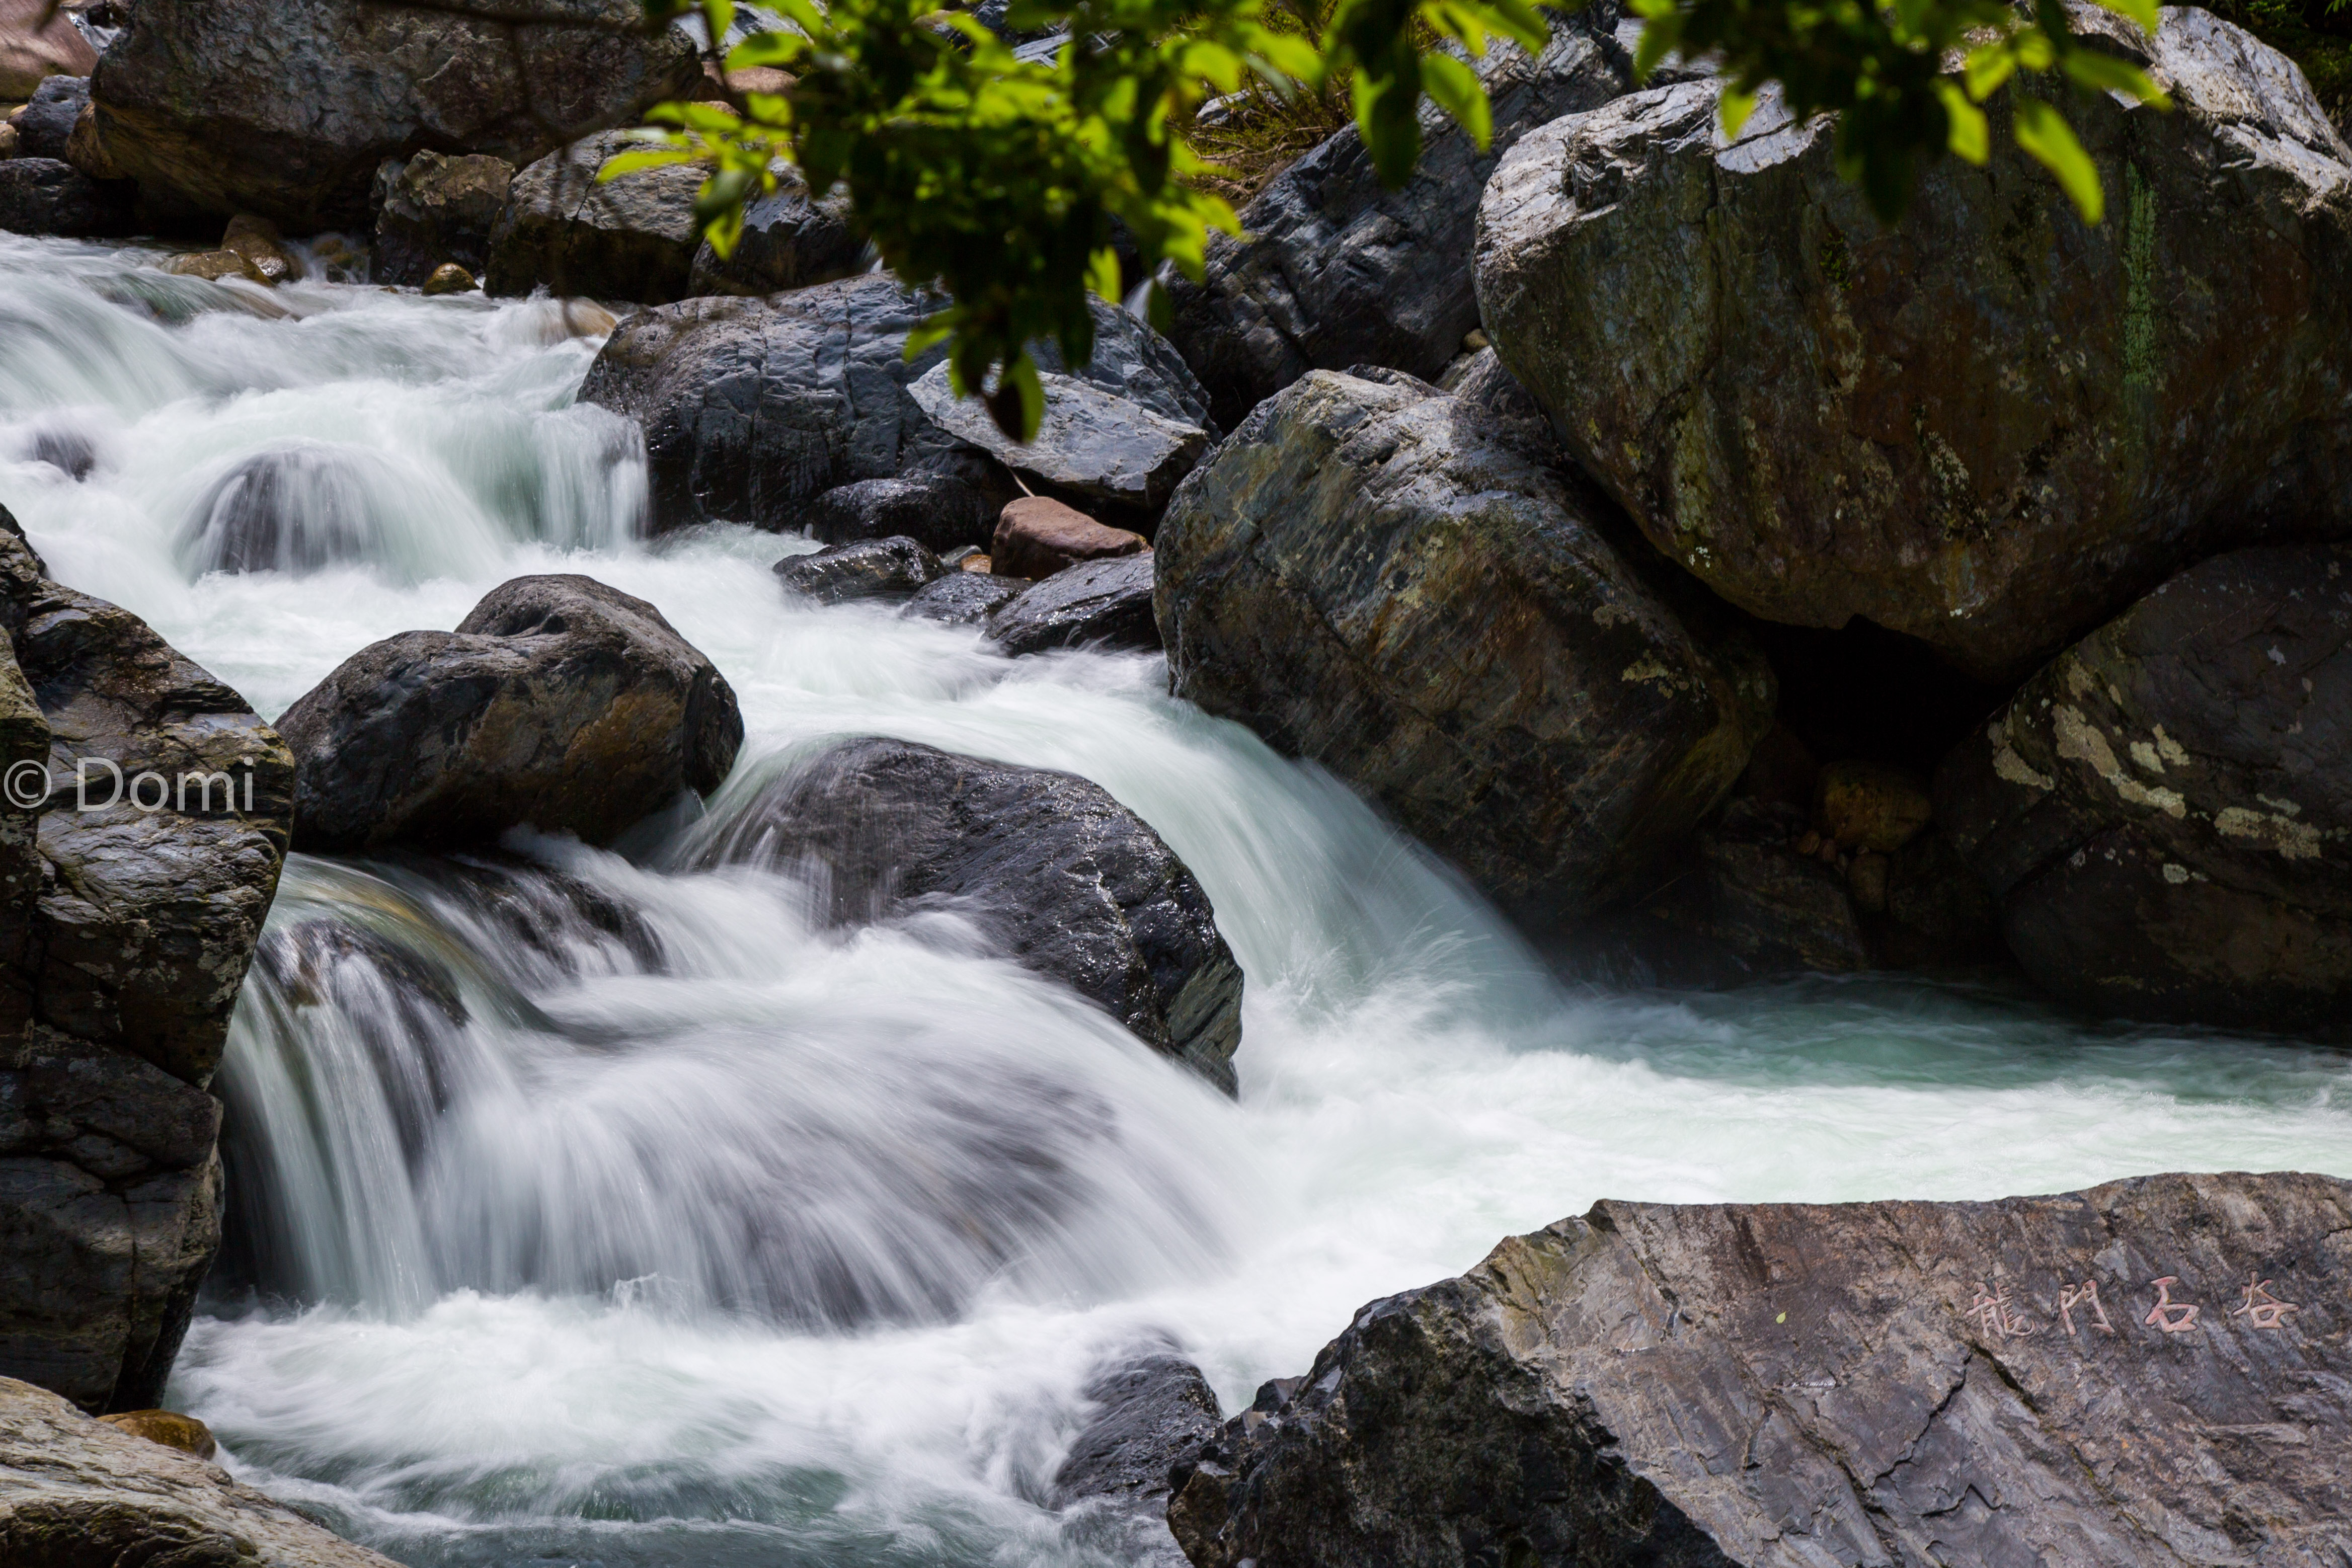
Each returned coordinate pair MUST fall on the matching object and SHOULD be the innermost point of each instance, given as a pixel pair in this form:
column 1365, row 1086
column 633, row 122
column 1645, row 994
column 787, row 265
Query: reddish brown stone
column 1037, row 536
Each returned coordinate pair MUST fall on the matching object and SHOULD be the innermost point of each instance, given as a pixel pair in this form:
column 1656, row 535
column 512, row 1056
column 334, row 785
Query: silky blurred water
column 756, row 1243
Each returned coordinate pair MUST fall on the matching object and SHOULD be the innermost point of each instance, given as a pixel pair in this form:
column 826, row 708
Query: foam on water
column 520, row 1291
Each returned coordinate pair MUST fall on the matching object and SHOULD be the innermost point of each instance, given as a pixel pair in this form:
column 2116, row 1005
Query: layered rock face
column 130, row 900
column 1339, row 270
column 1404, row 587
column 2163, row 811
column 76, row 1492
column 285, row 108
column 561, row 229
column 559, row 702
column 2153, row 1371
column 1990, row 426
column 1072, row 883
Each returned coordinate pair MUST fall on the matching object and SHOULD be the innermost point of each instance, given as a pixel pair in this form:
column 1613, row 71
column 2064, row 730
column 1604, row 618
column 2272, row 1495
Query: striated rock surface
column 559, row 702
column 1403, row 586
column 77, row 1493
column 2163, row 813
column 2153, row 1371
column 1101, row 604
column 1339, row 270
column 433, row 212
column 562, row 230
column 1072, row 883
column 1802, row 406
column 125, row 930
column 285, row 108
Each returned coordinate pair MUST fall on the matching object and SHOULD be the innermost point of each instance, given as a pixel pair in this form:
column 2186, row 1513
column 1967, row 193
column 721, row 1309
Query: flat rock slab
column 1090, row 441
column 2153, row 1371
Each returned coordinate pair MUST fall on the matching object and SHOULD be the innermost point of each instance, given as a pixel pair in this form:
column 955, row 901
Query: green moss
column 2139, row 283
column 1837, row 258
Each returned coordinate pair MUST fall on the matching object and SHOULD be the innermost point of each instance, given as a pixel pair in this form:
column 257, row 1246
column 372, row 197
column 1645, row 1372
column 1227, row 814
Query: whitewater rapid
column 563, row 1281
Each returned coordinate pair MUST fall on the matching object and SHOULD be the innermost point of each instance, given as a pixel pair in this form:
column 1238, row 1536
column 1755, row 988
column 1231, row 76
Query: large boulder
column 143, row 817
column 37, row 43
column 2152, row 1371
column 42, row 195
column 1404, row 586
column 431, row 211
column 1069, row 881
column 1337, row 270
column 788, row 242
column 77, row 1493
column 565, row 230
column 285, row 108
column 2163, row 811
column 559, row 702
column 1990, row 426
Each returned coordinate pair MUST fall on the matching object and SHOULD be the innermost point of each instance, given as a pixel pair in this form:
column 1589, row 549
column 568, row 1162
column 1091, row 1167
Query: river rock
column 1037, row 536
column 1090, row 443
column 76, row 1493
column 1151, row 1413
column 788, row 242
column 2162, row 813
column 1101, row 604
column 867, row 569
column 46, row 122
column 1405, row 588
column 1990, row 427
column 285, row 108
column 564, row 230
column 37, row 44
column 125, row 930
column 257, row 242
column 962, row 598
column 559, row 702
column 1339, row 270
column 1741, row 901
column 433, row 211
column 2152, row 1371
column 1069, row 881
column 938, row 511
column 42, row 195
column 168, row 1428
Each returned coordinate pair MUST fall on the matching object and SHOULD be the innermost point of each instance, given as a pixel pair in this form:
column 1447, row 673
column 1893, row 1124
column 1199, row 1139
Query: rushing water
column 591, row 1211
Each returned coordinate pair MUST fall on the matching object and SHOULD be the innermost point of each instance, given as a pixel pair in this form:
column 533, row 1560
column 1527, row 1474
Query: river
column 732, row 1240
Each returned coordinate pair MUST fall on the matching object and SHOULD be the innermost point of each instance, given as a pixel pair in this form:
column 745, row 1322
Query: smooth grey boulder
column 1095, row 604
column 42, row 195
column 1339, row 270
column 866, row 569
column 1404, row 586
column 2162, row 813
column 1089, row 442
column 285, row 108
column 76, row 1493
column 788, row 242
column 1990, row 427
column 431, row 211
column 1151, row 1413
column 938, row 511
column 2151, row 1372
column 130, row 900
column 558, row 702
column 1072, row 883
column 48, row 121
column 565, row 231
column 962, row 598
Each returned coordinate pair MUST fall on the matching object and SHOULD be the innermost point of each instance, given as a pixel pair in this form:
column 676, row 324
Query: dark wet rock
column 1938, row 915
column 938, row 511
column 788, row 242
column 127, row 915
column 1069, row 881
column 48, row 121
column 565, row 231
column 753, row 407
column 2162, row 812
column 448, row 278
column 1405, row 588
column 433, row 211
column 296, row 508
column 1798, row 404
column 962, row 598
column 1090, row 443
column 1871, row 806
column 42, row 195
column 1740, row 901
column 1037, row 536
column 2152, row 1371
column 1339, row 270
column 1152, row 1412
column 72, row 451
column 257, row 242
column 559, row 702
column 286, row 108
column 868, row 569
column 1101, row 604
column 83, row 1493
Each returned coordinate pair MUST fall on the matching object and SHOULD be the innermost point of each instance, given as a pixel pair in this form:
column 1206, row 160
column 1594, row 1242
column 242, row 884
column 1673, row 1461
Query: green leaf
column 621, row 163
column 1018, row 403
column 2105, row 73
column 1989, row 66
column 1969, row 137
column 2043, row 132
column 720, row 201
column 929, row 331
column 718, row 15
column 1102, row 274
column 781, row 50
column 1456, row 89
column 2143, row 12
column 1734, row 107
